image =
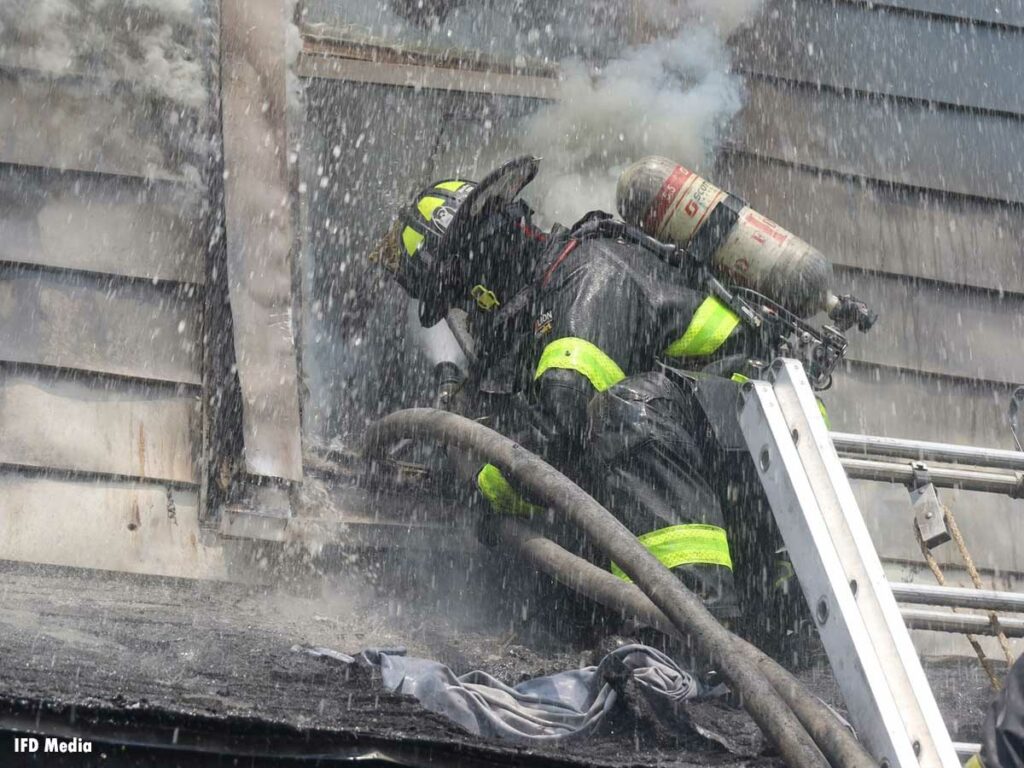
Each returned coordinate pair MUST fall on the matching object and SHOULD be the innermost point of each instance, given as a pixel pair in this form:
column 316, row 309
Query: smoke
column 672, row 96
column 152, row 44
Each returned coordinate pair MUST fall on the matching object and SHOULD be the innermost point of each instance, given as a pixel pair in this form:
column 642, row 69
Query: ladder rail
column 869, row 647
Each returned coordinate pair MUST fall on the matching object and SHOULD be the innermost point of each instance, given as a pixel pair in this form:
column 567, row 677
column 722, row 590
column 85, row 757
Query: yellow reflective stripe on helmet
column 573, row 354
column 428, row 204
column 692, row 544
column 502, row 497
column 450, row 186
column 710, row 327
column 412, row 240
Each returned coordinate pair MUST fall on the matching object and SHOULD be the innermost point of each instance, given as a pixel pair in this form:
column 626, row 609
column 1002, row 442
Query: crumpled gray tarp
column 542, row 709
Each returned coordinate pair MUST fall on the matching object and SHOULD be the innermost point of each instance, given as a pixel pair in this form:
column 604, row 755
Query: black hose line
column 833, row 738
column 685, row 610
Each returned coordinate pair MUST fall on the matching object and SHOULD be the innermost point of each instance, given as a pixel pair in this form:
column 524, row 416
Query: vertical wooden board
column 115, row 526
column 886, row 227
column 111, row 226
column 258, row 233
column 907, row 143
column 107, row 427
column 888, row 52
column 107, row 326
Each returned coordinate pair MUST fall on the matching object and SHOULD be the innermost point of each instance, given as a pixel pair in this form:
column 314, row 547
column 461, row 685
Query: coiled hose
column 680, row 606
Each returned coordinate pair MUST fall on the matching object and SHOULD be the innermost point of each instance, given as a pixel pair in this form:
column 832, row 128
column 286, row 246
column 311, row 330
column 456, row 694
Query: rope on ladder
column 936, row 570
column 954, row 531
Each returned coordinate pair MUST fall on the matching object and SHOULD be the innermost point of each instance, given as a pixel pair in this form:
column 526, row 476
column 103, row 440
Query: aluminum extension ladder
column 890, row 702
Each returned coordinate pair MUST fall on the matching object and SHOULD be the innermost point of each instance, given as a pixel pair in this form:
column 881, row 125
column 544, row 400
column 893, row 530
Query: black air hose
column 832, row 737
column 684, row 609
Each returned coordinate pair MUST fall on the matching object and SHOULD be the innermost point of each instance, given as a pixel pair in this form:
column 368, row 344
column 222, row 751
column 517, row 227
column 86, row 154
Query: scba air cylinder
column 745, row 248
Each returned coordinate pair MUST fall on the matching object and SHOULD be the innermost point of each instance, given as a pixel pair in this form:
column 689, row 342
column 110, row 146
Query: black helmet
column 448, row 229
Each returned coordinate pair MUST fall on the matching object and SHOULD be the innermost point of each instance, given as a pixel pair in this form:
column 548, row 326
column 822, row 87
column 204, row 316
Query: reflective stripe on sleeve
column 692, row 544
column 573, row 354
column 502, row 496
column 710, row 327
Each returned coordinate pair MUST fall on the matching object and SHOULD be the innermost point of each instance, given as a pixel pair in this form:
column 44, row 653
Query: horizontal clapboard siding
column 74, row 126
column 100, row 324
column 112, row 525
column 880, row 400
column 103, row 225
column 900, row 54
column 907, row 143
column 933, row 328
column 80, row 425
column 999, row 12
column 862, row 223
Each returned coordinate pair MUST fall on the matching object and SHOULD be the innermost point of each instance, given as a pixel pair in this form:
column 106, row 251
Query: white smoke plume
column 670, row 96
column 150, row 43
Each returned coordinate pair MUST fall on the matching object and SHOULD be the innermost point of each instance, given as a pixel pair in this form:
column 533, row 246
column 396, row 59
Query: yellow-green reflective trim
column 411, row 239
column 450, row 186
column 974, row 762
column 710, row 327
column 783, row 573
column 573, row 354
column 739, row 378
column 695, row 543
column 824, row 413
column 502, row 497
column 428, row 204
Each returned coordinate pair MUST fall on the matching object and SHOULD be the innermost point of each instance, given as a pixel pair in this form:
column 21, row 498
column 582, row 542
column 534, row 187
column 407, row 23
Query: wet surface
column 97, row 647
column 208, row 658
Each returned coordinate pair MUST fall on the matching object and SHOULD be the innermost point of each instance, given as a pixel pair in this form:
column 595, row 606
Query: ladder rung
column 942, row 477
column 966, row 748
column 958, row 597
column 962, row 623
column 923, row 450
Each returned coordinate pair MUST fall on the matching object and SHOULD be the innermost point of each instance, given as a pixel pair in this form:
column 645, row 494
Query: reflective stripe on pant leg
column 502, row 496
column 710, row 327
column 692, row 544
column 573, row 354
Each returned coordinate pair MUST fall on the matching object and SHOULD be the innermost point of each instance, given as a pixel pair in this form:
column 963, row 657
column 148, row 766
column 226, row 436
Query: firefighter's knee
column 638, row 411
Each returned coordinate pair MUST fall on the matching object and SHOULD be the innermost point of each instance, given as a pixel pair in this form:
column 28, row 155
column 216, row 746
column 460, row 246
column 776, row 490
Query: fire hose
column 793, row 719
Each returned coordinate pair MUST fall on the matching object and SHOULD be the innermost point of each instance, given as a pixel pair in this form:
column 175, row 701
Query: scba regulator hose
column 680, row 606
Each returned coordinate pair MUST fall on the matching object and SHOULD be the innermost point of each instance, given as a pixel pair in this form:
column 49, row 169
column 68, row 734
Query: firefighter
column 1002, row 744
column 571, row 326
